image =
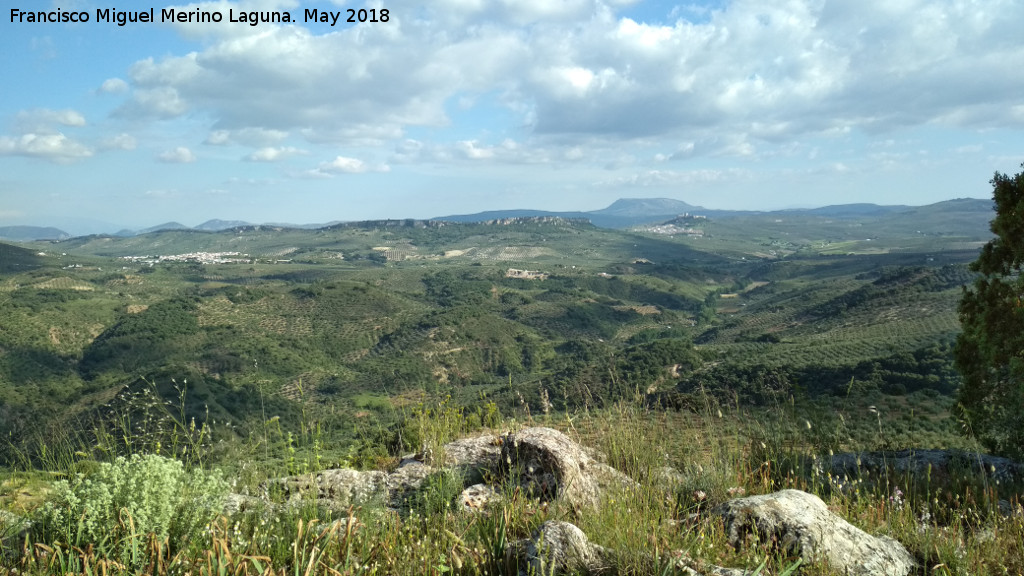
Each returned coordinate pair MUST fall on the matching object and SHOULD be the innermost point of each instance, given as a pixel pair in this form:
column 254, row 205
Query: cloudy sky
column 457, row 106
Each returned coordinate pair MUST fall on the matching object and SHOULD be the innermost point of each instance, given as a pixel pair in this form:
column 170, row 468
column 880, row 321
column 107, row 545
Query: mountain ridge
column 620, row 214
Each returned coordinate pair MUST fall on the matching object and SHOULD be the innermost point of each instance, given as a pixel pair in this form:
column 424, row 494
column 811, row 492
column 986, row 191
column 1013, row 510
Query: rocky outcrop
column 475, row 458
column 550, row 465
column 340, row 488
column 800, row 523
column 941, row 465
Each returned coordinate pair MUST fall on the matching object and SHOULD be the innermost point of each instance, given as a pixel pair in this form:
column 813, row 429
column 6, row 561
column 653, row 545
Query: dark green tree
column 990, row 351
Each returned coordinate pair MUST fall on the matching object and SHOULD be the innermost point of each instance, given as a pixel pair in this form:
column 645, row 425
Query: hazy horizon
column 83, row 228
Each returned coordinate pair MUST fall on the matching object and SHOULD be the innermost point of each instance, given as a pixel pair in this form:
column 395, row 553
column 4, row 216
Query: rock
column 1009, row 510
column 556, row 549
column 560, row 548
column 238, row 503
column 800, row 523
column 403, row 481
column 552, row 466
column 340, row 488
column 941, row 465
column 476, row 458
column 477, row 497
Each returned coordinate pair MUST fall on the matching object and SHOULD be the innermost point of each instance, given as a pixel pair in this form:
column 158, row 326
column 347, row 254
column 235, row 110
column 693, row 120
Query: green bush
column 121, row 504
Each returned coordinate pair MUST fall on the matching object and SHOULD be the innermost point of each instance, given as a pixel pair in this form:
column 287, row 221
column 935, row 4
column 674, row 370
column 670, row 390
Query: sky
column 459, row 106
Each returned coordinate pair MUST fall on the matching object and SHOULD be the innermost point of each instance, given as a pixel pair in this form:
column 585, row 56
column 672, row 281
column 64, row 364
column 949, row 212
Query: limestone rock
column 940, row 464
column 340, row 488
column 477, row 497
column 800, row 523
column 238, row 503
column 558, row 549
column 476, row 458
column 552, row 466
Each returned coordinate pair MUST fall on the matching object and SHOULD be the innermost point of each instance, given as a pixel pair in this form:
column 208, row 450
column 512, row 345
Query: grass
column 951, row 525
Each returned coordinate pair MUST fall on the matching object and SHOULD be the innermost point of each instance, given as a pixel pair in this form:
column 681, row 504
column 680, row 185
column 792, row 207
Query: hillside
column 367, row 317
column 745, row 349
column 31, row 233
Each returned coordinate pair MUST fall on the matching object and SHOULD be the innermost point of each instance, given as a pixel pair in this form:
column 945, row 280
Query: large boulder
column 551, row 466
column 476, row 458
column 800, row 523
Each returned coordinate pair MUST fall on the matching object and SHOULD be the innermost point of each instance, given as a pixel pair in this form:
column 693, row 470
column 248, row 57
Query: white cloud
column 255, row 137
column 576, row 78
column 43, row 119
column 113, row 86
column 271, row 154
column 119, row 142
column 346, row 165
column 179, row 155
column 55, row 147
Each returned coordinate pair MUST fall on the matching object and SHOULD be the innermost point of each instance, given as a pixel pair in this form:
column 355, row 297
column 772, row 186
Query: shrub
column 121, row 504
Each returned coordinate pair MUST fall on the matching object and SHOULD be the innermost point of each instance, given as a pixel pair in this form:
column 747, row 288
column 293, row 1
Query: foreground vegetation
column 152, row 524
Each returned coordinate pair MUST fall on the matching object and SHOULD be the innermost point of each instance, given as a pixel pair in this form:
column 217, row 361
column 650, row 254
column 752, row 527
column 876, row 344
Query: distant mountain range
column 628, row 212
column 30, row 233
column 623, row 213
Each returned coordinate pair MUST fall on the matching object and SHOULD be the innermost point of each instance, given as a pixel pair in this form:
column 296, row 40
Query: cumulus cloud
column 577, row 72
column 253, row 136
column 179, row 155
column 271, row 154
column 55, row 147
column 346, row 165
column 119, row 142
column 113, row 86
column 43, row 119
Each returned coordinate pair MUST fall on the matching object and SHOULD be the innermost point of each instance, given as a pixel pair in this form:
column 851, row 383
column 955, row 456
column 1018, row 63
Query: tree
column 990, row 351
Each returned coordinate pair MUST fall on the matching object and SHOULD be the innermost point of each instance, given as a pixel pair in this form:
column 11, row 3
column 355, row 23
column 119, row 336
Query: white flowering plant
column 119, row 506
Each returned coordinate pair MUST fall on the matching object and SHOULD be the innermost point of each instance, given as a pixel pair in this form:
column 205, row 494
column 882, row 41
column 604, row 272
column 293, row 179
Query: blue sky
column 457, row 106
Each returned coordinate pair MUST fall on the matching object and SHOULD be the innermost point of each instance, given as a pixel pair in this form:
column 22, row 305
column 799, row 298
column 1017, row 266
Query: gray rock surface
column 340, row 488
column 941, row 464
column 239, row 503
column 477, row 497
column 800, row 523
column 476, row 458
column 551, row 466
column 558, row 549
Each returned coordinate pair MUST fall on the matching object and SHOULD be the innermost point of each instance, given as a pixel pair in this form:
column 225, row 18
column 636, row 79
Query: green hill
column 366, row 318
